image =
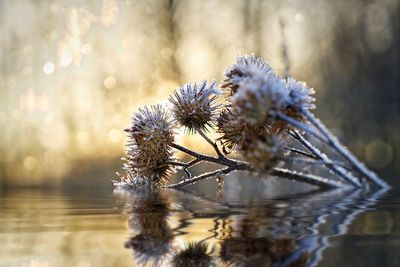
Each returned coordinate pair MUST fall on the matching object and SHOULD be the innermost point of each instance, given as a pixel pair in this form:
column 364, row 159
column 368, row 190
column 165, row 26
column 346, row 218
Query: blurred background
column 72, row 72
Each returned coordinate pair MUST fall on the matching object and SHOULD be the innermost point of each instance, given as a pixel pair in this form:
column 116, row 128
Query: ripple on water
column 105, row 229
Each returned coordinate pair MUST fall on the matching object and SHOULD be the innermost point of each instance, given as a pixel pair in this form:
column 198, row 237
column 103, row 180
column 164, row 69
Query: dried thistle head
column 262, row 152
column 149, row 144
column 194, row 105
column 152, row 128
column 301, row 96
column 246, row 66
column 255, row 90
column 257, row 96
column 195, row 254
column 231, row 129
column 237, row 132
column 150, row 165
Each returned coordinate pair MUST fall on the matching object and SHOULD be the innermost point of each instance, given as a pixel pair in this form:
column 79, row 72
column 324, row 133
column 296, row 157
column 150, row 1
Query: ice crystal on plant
column 149, row 144
column 262, row 152
column 260, row 112
column 246, row 66
column 194, row 105
column 301, row 96
column 231, row 128
column 257, row 96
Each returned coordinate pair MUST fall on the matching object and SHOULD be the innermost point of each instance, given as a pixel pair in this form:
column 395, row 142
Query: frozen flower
column 234, row 130
column 262, row 152
column 301, row 96
column 231, row 129
column 257, row 93
column 152, row 128
column 149, row 144
column 245, row 67
column 150, row 165
column 194, row 105
column 257, row 96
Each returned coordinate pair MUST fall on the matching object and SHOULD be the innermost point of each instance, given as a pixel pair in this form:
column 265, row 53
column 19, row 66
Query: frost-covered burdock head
column 300, row 96
column 246, row 66
column 231, row 128
column 262, row 152
column 255, row 97
column 235, row 131
column 194, row 105
column 152, row 127
column 149, row 144
column 257, row 92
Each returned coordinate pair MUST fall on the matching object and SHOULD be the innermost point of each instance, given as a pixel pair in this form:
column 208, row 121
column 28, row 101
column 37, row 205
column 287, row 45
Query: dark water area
column 203, row 226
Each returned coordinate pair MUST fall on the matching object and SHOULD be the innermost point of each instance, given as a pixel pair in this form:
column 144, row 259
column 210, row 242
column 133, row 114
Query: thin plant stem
column 297, row 124
column 308, row 178
column 301, row 152
column 312, row 161
column 282, row 173
column 214, row 145
column 204, row 176
column 343, row 151
column 340, row 171
column 195, row 154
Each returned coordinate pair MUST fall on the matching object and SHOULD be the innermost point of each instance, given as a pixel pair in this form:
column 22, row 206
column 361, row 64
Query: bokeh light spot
column 110, row 82
column 49, row 68
column 66, row 59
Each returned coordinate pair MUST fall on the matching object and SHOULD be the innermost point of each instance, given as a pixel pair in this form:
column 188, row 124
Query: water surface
column 234, row 226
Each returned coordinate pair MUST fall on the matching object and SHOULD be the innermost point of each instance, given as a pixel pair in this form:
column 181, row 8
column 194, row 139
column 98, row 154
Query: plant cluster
column 264, row 123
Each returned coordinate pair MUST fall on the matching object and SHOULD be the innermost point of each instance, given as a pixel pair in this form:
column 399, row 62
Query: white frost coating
column 245, row 63
column 194, row 105
column 300, row 95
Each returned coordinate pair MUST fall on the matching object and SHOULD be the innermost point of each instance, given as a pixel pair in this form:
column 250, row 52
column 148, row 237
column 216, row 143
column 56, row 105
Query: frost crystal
column 246, row 67
column 194, row 105
column 149, row 141
column 300, row 95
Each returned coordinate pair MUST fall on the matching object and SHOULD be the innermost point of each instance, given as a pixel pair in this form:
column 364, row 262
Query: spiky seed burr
column 149, row 144
column 194, row 105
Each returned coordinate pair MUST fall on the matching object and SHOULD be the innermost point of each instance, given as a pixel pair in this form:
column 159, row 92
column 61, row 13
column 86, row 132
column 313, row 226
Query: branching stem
column 233, row 165
column 343, row 151
column 338, row 170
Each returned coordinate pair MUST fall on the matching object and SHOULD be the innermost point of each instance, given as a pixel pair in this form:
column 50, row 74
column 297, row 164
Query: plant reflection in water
column 265, row 232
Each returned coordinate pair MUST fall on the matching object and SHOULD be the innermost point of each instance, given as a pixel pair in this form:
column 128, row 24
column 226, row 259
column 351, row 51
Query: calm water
column 236, row 227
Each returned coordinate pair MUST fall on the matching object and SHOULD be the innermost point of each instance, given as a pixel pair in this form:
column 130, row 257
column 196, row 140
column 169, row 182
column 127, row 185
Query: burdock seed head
column 149, row 144
column 300, row 96
column 152, row 128
column 194, row 105
column 231, row 128
column 262, row 152
column 246, row 66
column 258, row 95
